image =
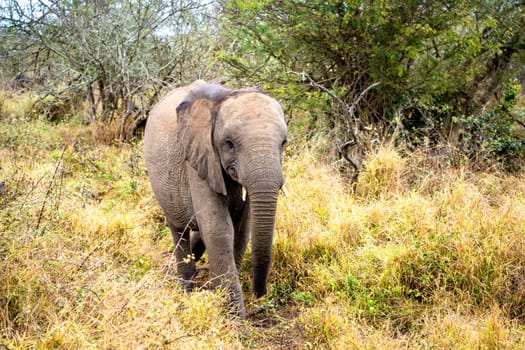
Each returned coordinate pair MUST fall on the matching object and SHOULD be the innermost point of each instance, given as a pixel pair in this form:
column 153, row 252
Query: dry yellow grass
column 416, row 258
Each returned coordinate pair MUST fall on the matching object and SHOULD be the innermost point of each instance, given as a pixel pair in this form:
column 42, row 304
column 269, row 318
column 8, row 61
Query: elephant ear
column 196, row 119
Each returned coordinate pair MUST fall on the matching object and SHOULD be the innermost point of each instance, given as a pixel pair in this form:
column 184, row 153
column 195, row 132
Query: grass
column 417, row 257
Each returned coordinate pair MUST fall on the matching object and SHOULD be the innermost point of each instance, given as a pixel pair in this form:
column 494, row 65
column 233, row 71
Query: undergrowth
column 415, row 257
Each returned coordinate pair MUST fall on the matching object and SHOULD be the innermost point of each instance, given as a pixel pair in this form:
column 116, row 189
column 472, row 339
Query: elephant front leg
column 217, row 231
column 223, row 272
column 185, row 262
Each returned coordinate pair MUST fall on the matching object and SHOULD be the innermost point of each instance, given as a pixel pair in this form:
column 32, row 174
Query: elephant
column 213, row 157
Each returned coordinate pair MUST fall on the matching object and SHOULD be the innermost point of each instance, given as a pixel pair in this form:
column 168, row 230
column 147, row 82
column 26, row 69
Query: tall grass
column 416, row 257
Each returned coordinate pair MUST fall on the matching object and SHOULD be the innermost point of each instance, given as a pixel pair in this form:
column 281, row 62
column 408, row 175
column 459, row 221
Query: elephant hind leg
column 197, row 245
column 185, row 263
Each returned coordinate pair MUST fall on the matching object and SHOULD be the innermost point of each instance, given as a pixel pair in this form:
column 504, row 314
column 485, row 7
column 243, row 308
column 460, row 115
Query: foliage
column 497, row 132
column 115, row 54
column 436, row 62
column 431, row 74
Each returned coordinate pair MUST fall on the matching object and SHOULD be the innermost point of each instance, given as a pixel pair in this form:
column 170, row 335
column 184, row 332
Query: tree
column 436, row 62
column 119, row 54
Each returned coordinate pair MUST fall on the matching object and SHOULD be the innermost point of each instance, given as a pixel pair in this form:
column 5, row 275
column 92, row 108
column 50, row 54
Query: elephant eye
column 229, row 144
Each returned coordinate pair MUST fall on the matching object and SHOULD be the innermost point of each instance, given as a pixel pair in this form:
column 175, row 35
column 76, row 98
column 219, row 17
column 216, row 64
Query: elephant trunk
column 263, row 208
column 263, row 193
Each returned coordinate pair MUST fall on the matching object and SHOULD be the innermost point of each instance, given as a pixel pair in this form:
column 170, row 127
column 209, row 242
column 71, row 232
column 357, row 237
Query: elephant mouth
column 231, row 170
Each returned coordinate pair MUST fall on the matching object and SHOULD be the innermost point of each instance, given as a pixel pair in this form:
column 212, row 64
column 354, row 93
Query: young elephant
column 204, row 145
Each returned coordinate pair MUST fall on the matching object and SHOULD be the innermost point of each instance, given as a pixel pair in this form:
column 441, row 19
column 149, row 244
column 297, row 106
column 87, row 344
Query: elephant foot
column 186, row 272
column 237, row 309
column 187, row 285
column 197, row 245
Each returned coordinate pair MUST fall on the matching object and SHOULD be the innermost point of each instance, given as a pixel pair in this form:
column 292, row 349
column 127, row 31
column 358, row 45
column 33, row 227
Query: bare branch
column 344, row 147
column 351, row 110
column 305, row 76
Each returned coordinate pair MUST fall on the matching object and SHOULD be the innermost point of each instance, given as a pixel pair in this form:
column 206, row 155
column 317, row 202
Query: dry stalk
column 49, row 190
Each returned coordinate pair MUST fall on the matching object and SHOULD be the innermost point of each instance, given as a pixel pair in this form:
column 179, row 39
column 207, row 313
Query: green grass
column 418, row 257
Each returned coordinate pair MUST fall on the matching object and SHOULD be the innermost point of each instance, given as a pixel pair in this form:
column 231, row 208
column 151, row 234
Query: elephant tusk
column 284, row 191
column 243, row 194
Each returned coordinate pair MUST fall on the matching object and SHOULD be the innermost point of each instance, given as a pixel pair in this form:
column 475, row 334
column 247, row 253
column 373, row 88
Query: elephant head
column 238, row 136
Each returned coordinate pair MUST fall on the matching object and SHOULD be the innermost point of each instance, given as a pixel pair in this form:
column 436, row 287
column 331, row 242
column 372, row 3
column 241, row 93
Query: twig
column 28, row 194
column 360, row 97
column 168, row 342
column 84, row 261
column 123, row 306
column 305, row 76
column 95, row 294
column 49, row 189
column 177, row 244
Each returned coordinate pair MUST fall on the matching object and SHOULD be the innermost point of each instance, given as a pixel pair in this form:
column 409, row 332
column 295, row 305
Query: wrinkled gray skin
column 202, row 144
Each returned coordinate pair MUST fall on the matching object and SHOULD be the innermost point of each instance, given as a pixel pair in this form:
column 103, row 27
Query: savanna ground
column 419, row 255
